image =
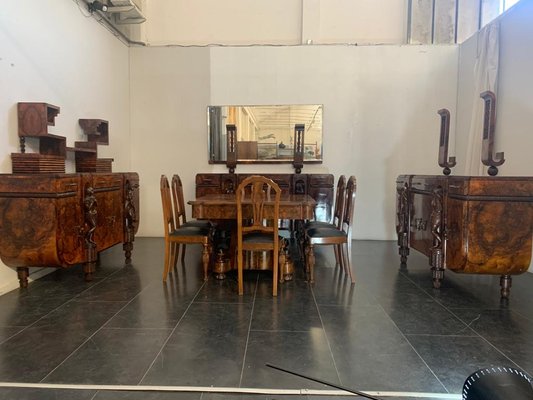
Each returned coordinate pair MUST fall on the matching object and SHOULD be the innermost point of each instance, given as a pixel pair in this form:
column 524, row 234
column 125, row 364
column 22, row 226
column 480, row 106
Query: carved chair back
column 258, row 200
column 168, row 210
column 340, row 197
column 349, row 206
column 179, row 201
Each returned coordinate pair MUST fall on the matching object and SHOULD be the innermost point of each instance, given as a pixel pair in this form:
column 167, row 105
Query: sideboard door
column 110, row 208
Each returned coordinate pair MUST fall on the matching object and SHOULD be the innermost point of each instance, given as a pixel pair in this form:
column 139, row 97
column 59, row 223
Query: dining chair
column 257, row 222
column 180, row 217
column 336, row 220
column 176, row 235
column 339, row 236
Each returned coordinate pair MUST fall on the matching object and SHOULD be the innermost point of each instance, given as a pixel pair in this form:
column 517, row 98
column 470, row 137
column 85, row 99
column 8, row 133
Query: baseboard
column 35, row 273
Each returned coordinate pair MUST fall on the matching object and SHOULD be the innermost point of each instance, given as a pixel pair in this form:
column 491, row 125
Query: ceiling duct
column 126, row 12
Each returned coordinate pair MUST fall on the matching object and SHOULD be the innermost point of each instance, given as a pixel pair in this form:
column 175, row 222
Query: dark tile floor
column 390, row 332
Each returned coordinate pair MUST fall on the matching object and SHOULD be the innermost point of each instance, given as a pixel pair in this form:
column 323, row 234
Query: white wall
column 514, row 100
column 380, row 117
column 50, row 53
column 289, row 22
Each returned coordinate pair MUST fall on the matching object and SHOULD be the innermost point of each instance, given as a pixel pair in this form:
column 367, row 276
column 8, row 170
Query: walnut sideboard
column 467, row 224
column 318, row 186
column 59, row 220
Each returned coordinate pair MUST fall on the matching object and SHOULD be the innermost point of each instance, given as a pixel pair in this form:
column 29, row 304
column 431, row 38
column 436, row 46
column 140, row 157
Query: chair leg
column 338, row 257
column 205, row 259
column 306, row 262
column 347, row 262
column 281, row 259
column 311, row 262
column 239, row 272
column 275, row 268
column 181, row 250
column 183, row 256
column 174, row 253
column 167, row 260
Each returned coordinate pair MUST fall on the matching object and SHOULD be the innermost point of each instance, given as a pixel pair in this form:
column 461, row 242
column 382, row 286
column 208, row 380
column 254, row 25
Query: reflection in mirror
column 265, row 133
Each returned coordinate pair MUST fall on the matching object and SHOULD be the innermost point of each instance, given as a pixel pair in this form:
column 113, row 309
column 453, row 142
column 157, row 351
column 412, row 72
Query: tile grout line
column 413, row 347
column 55, row 309
column 485, row 339
column 95, row 332
column 171, row 332
column 467, row 325
column 325, row 333
column 249, row 330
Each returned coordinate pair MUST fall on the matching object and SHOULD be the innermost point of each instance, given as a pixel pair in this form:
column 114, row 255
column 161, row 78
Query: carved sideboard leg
column 506, row 281
column 127, row 247
column 89, row 269
column 403, row 250
column 23, row 273
column 438, row 276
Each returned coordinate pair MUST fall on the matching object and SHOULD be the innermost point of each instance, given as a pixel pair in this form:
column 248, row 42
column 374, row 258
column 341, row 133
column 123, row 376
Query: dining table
column 222, row 210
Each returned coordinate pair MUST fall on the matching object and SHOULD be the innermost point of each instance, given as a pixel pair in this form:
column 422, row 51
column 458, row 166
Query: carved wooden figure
column 444, row 161
column 489, row 128
column 298, row 161
column 231, row 153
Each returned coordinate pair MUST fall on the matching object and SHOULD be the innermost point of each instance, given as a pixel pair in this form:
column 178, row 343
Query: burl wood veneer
column 467, row 224
column 59, row 220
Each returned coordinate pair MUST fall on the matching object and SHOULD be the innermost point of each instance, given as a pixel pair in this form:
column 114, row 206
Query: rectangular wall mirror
column 265, row 134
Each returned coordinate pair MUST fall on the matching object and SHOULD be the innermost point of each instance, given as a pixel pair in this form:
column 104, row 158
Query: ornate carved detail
column 231, row 153
column 444, row 161
column 228, row 186
column 22, row 141
column 402, row 227
column 91, row 213
column 130, row 219
column 129, row 207
column 437, row 261
column 90, row 217
column 489, row 124
column 421, row 224
column 436, row 217
column 298, row 161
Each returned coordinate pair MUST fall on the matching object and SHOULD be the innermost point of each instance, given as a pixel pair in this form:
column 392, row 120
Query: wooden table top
column 224, row 206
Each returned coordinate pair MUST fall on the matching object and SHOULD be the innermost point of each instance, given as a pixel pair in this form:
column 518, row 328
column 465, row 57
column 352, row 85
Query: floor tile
column 112, row 356
column 508, row 331
column 372, row 354
column 390, row 331
column 25, row 310
column 294, row 309
column 160, row 305
column 206, row 349
column 30, row 355
column 454, row 358
column 7, row 332
column 119, row 287
column 426, row 318
column 303, row 352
